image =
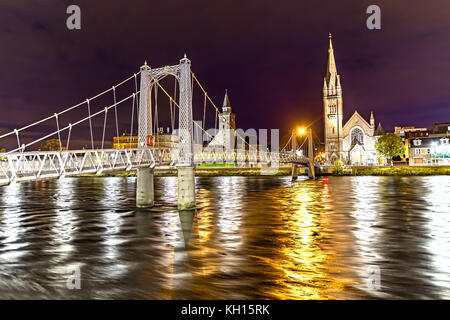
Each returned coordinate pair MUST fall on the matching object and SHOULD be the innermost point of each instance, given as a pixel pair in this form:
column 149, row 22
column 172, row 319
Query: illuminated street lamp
column 300, row 131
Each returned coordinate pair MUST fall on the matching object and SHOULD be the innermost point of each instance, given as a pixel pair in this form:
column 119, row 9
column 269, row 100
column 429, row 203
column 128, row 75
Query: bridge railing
column 40, row 165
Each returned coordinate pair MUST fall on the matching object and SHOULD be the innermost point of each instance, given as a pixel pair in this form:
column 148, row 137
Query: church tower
column 227, row 119
column 332, row 108
column 225, row 137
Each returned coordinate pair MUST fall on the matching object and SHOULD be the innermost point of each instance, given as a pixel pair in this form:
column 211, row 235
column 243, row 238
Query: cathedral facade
column 354, row 142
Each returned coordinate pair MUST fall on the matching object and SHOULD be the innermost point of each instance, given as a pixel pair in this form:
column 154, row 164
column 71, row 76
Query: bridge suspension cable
column 71, row 125
column 287, row 143
column 214, row 106
column 132, row 115
column 135, row 96
column 57, row 114
column 177, row 105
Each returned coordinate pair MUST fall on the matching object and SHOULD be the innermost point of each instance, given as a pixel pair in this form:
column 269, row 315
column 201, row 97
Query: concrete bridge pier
column 186, row 187
column 145, row 196
column 311, row 171
column 294, row 171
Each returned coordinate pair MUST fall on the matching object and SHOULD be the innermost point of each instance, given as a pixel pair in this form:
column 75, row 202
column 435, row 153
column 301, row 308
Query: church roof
column 355, row 114
column 226, row 102
column 331, row 63
column 380, row 130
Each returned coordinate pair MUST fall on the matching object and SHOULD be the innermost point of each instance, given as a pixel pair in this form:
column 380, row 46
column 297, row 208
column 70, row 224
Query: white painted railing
column 41, row 165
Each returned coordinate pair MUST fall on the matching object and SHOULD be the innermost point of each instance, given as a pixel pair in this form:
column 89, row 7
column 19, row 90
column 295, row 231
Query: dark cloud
column 271, row 56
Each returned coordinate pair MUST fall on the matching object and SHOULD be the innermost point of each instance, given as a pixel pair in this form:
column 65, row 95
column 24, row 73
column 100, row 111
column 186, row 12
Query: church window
column 444, row 140
column 333, row 129
column 357, row 135
column 332, row 109
column 417, row 151
column 417, row 142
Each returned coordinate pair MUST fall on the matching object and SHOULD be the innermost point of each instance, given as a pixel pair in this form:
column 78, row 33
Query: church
column 225, row 137
column 354, row 142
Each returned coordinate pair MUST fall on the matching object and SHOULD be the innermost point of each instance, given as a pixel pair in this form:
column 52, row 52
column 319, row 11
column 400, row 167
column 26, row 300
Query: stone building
column 354, row 142
column 225, row 137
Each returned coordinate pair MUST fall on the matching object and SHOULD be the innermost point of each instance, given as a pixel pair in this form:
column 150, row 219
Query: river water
column 250, row 238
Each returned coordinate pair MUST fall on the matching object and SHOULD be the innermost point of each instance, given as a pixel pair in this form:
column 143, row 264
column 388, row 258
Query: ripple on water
column 251, row 237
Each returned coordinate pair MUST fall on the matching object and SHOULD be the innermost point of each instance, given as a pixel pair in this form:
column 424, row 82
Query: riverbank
column 405, row 171
column 248, row 172
column 202, row 172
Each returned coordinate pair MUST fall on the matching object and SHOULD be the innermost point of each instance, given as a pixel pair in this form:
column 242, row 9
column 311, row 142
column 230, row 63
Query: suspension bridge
column 26, row 162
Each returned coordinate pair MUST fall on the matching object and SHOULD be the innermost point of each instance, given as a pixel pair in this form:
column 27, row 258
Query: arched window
column 358, row 135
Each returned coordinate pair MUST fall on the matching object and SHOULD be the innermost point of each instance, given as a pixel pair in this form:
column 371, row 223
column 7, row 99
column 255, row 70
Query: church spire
column 226, row 107
column 331, row 63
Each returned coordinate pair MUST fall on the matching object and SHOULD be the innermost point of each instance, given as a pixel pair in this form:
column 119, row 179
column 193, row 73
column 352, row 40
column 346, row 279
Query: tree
column 50, row 145
column 390, row 145
column 338, row 168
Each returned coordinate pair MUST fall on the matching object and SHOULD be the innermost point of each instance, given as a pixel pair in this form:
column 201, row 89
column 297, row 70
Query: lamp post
column 312, row 174
column 299, row 131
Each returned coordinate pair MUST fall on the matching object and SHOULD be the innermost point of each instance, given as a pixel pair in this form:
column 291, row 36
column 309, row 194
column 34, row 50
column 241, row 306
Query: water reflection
column 438, row 227
column 365, row 212
column 257, row 238
column 11, row 227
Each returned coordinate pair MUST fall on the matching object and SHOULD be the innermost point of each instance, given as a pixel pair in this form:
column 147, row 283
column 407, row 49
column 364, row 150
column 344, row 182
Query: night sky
column 271, row 55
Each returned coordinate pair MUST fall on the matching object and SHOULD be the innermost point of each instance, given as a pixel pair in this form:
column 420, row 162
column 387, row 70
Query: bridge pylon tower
column 185, row 160
column 185, row 166
column 145, row 185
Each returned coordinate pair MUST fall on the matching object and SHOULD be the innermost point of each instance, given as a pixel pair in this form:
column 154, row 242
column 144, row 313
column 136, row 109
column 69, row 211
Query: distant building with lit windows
column 409, row 131
column 161, row 139
column 429, row 147
column 125, row 141
column 402, row 131
column 429, row 151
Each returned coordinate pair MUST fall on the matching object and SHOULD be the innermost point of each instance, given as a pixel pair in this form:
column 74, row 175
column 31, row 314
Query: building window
column 417, row 151
column 332, row 109
column 332, row 146
column 444, row 140
column 428, row 151
column 357, row 135
column 417, row 142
